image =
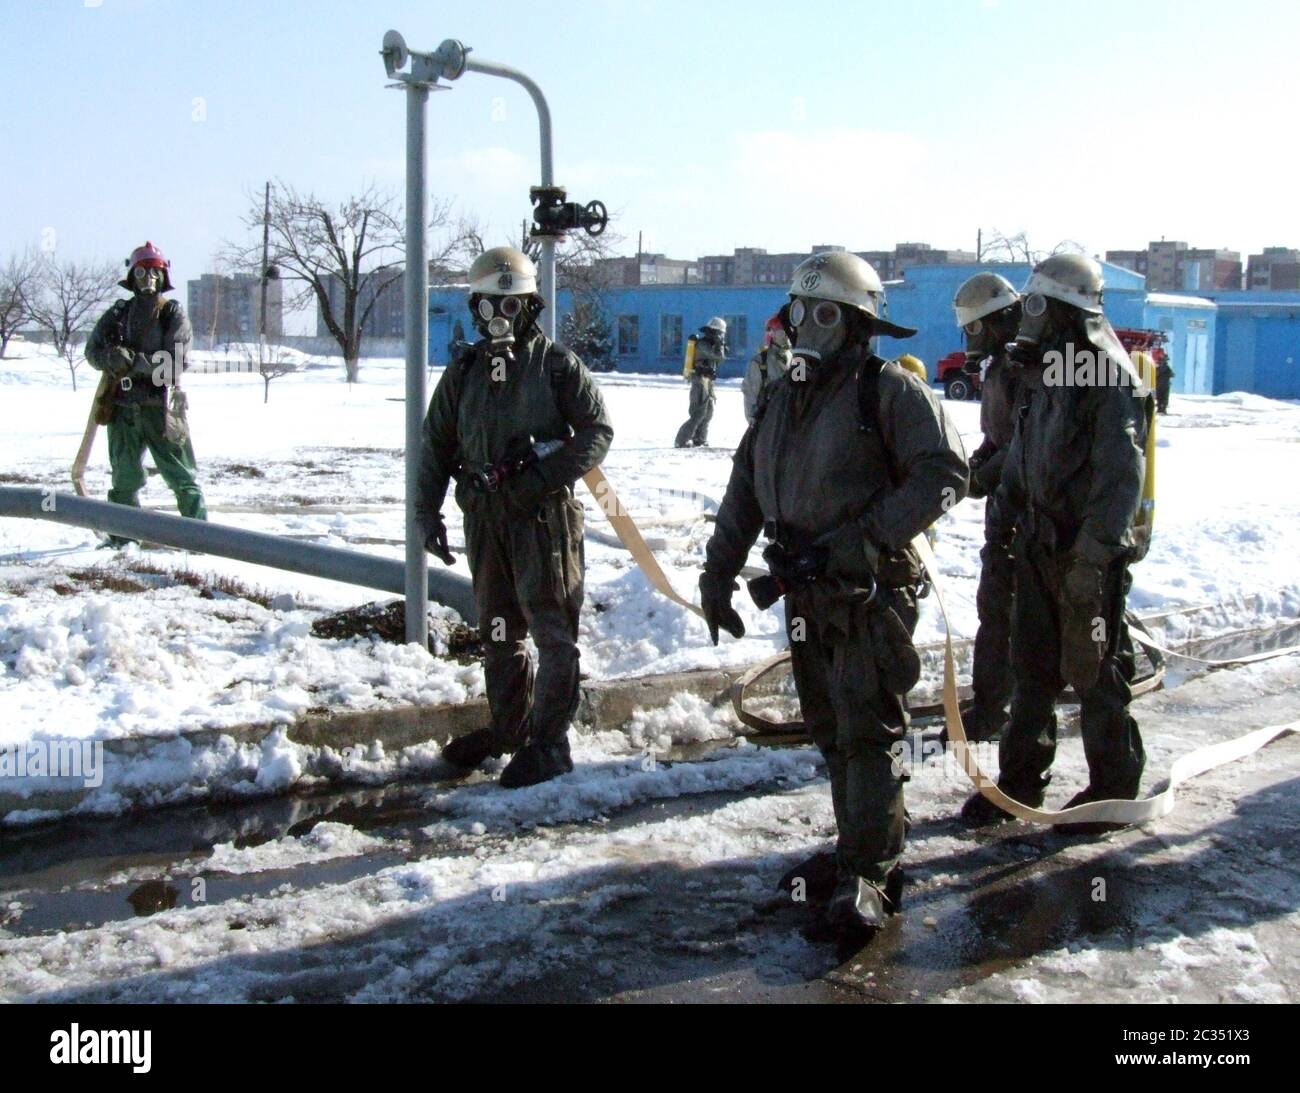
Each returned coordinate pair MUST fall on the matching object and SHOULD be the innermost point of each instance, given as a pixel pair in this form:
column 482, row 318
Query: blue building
column 1224, row 341
column 1257, row 343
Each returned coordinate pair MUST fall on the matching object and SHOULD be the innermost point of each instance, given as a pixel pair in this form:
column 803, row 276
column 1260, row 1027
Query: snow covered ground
column 635, row 876
column 321, row 461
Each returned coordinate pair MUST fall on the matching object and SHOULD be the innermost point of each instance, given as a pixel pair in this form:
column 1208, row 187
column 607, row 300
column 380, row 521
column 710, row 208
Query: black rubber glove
column 1083, row 629
column 436, row 541
column 715, row 599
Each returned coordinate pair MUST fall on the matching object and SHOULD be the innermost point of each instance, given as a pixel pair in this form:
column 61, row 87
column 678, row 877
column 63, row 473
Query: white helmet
column 846, row 279
column 1073, row 279
column 718, row 324
column 503, row 271
column 982, row 295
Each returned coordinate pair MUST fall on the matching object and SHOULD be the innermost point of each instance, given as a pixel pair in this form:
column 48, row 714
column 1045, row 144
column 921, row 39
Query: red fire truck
column 959, row 384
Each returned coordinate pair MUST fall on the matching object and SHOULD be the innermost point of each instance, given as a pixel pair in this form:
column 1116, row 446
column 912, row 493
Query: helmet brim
column 892, row 330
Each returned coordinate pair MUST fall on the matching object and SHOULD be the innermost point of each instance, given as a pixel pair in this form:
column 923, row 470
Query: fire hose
column 1140, row 811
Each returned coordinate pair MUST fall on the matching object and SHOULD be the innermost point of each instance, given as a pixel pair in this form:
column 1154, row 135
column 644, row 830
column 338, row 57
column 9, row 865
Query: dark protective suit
column 767, row 366
column 991, row 673
column 1164, row 381
column 147, row 324
column 1071, row 486
column 806, row 468
column 709, row 355
column 524, row 541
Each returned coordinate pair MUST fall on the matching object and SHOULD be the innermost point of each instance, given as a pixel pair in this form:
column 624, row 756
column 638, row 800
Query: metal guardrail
column 332, row 563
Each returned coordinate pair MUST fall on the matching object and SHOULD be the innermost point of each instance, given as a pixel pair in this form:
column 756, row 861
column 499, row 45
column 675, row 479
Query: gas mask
column 1043, row 322
column 500, row 319
column 819, row 329
column 147, row 280
column 989, row 335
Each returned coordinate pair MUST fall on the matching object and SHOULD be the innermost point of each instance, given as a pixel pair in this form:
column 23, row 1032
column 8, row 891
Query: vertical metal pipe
column 547, row 277
column 417, row 357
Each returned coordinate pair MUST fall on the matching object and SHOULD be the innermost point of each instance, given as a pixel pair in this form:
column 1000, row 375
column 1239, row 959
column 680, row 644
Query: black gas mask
column 147, row 280
column 820, row 330
column 1044, row 322
column 502, row 320
column 989, row 335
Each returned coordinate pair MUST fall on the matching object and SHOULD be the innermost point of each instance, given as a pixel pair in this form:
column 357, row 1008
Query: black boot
column 859, row 907
column 1092, row 827
column 818, row 875
column 472, row 749
column 537, row 762
column 979, row 811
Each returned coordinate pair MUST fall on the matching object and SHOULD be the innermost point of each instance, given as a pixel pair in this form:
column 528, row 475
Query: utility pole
column 638, row 257
column 979, row 244
column 266, row 272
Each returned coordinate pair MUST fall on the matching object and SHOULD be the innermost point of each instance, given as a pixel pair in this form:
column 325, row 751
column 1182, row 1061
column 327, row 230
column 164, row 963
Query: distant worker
column 768, row 365
column 705, row 353
column 516, row 420
column 987, row 308
column 143, row 343
column 1164, row 380
column 1071, row 496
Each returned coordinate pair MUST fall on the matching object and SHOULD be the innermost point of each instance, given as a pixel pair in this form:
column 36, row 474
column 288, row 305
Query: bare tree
column 345, row 256
column 66, row 297
column 575, row 258
column 18, row 279
column 271, row 362
column 1016, row 248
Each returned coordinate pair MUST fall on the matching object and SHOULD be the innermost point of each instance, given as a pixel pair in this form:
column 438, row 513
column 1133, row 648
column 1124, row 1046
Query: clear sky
column 706, row 125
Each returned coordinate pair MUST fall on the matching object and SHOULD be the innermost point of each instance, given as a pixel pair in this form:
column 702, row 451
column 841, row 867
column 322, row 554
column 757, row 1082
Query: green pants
column 855, row 721
column 135, row 427
column 528, row 580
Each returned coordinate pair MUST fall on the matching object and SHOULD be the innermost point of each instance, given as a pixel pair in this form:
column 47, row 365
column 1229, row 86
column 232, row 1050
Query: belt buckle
column 125, row 383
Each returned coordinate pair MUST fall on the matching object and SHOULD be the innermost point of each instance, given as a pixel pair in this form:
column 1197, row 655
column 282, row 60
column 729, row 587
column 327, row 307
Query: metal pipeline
column 347, row 566
column 546, row 266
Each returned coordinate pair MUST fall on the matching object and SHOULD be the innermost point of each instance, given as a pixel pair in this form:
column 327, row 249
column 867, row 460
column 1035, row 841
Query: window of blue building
column 670, row 336
column 628, row 335
column 737, row 335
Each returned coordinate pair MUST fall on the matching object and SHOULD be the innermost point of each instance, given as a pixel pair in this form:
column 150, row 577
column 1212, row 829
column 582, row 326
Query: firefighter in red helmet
column 767, row 366
column 143, row 343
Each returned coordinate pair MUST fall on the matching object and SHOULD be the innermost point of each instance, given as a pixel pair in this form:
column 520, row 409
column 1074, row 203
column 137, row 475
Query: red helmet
column 148, row 255
column 152, row 258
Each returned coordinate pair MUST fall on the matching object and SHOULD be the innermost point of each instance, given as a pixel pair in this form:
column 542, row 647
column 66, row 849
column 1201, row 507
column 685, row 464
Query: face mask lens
column 1035, row 305
column 974, row 327
column 511, row 306
column 485, row 309
column 826, row 314
column 797, row 313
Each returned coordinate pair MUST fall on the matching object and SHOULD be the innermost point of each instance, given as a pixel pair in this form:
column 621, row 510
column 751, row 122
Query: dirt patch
column 7, row 479
column 387, row 622
column 244, row 470
column 100, row 578
column 208, row 587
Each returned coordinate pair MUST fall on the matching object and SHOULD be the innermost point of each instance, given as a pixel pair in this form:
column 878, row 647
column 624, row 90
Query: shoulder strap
column 869, row 410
